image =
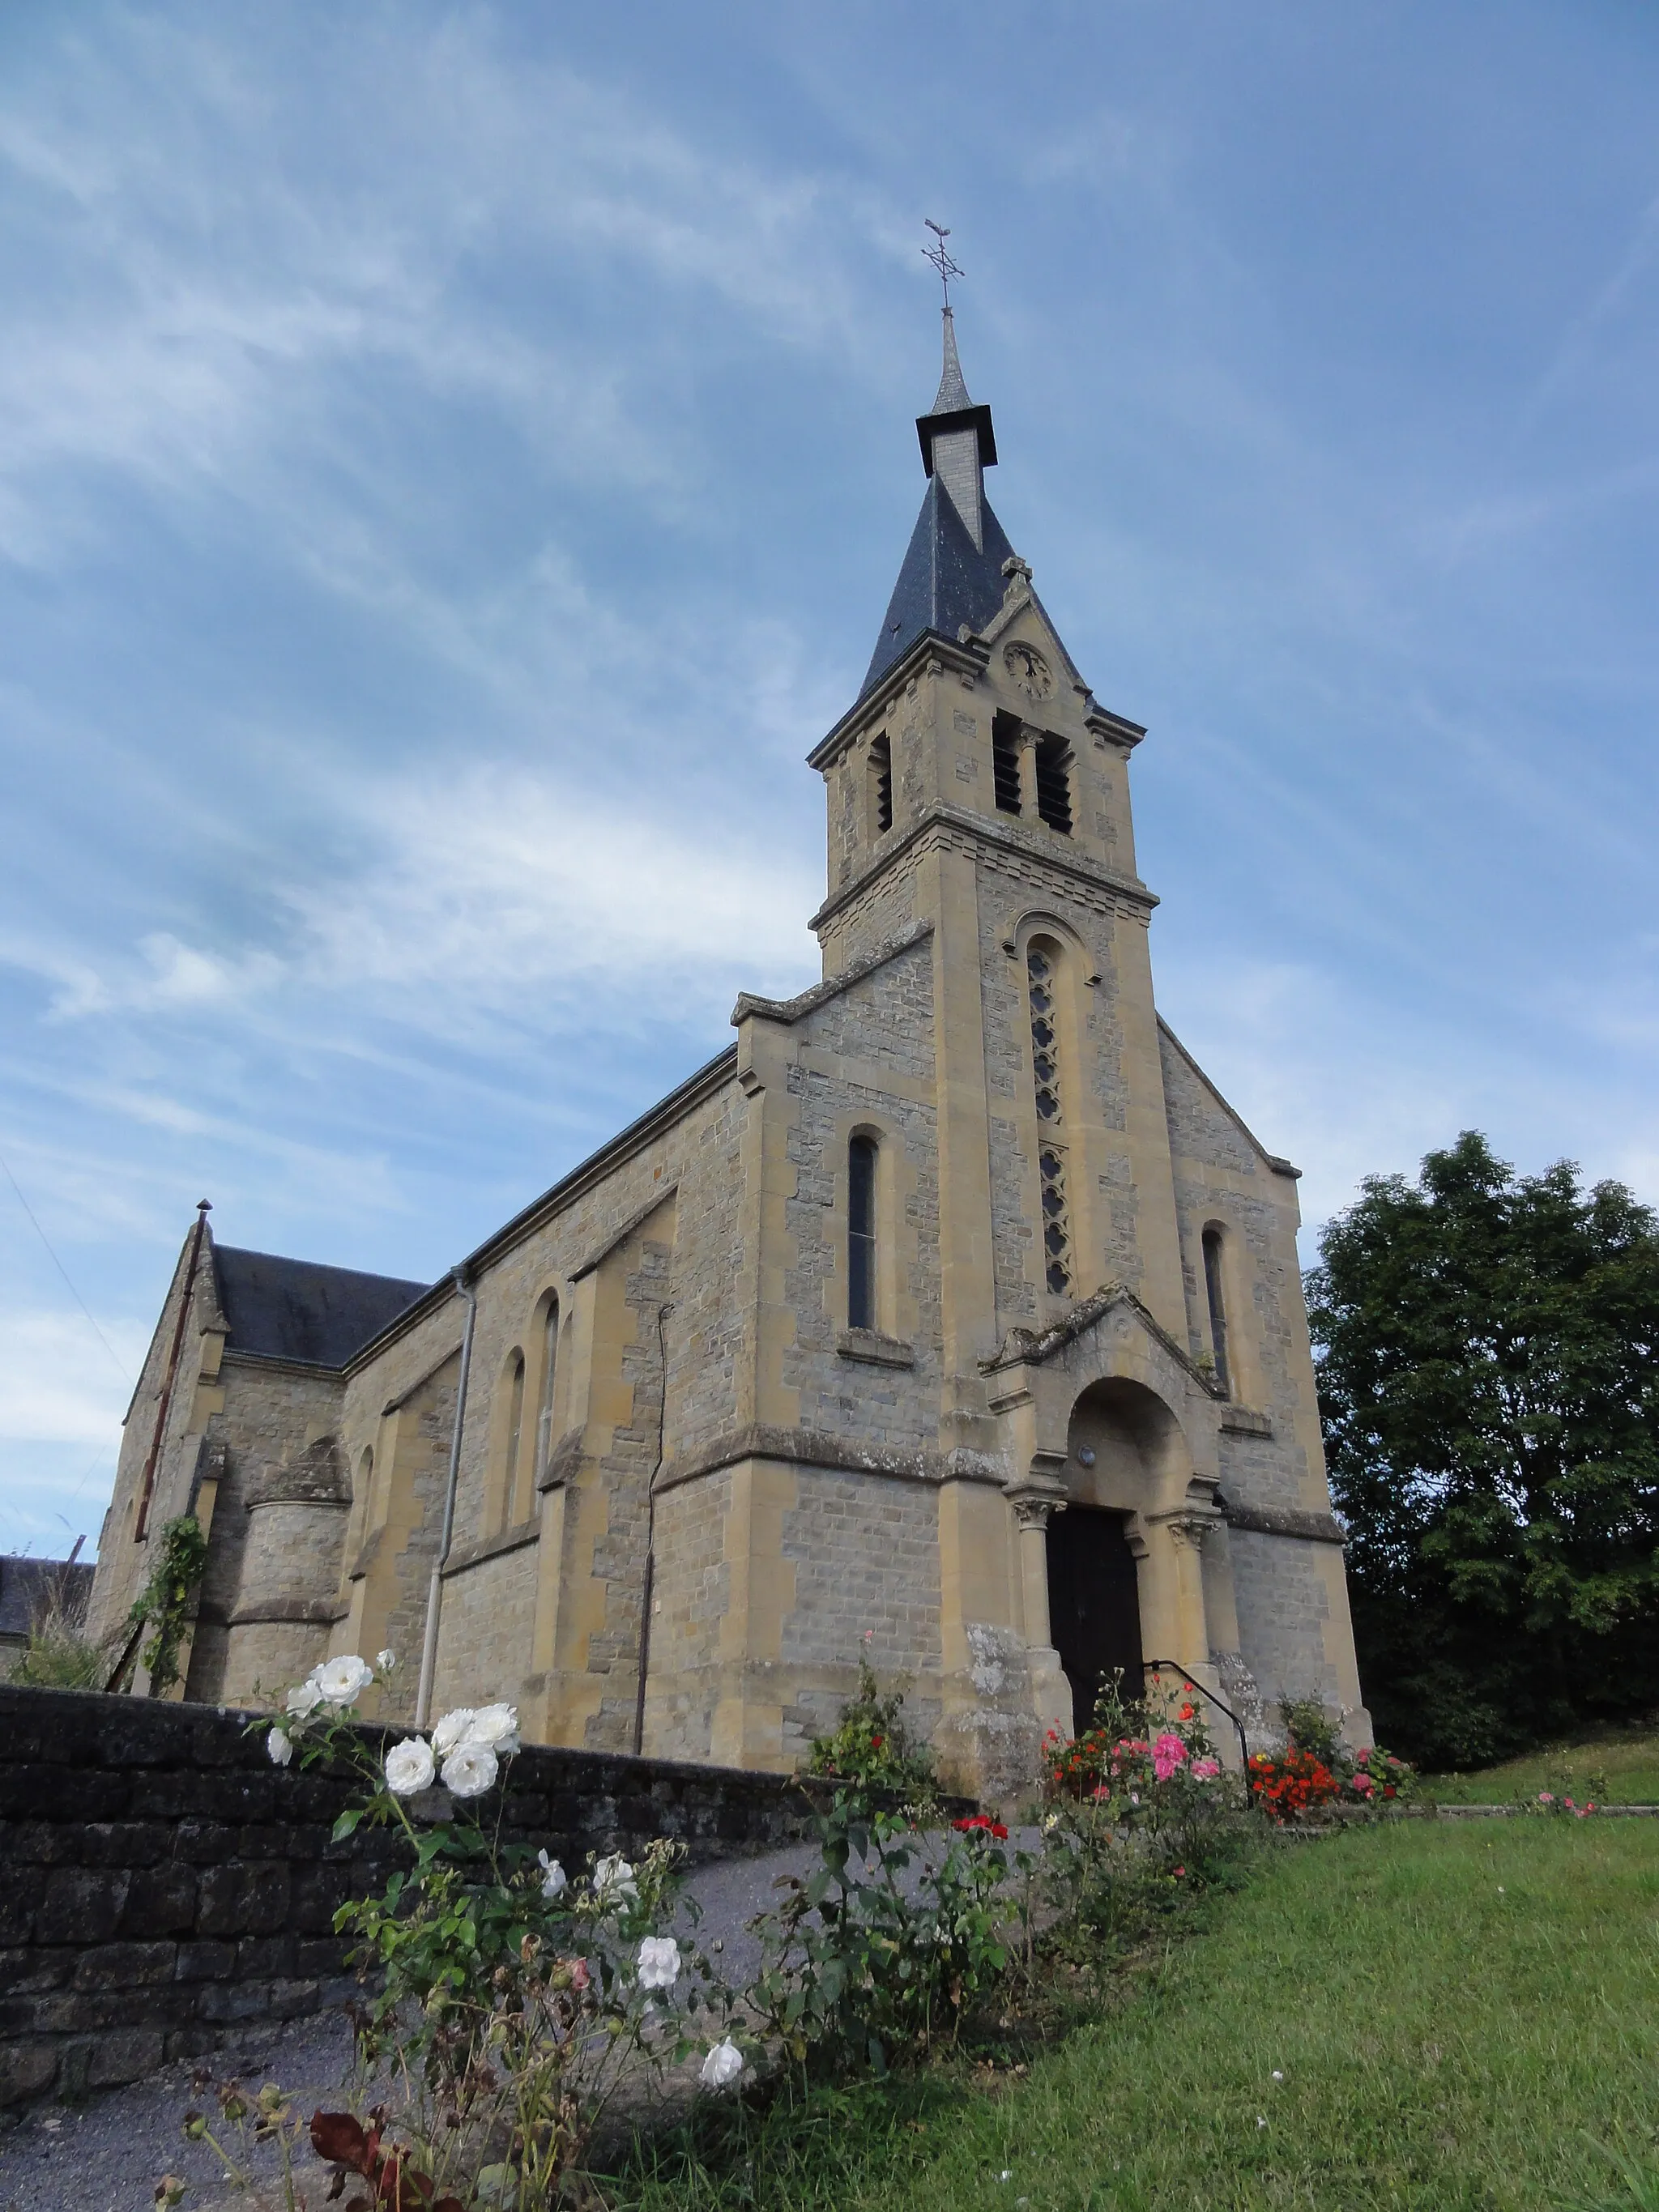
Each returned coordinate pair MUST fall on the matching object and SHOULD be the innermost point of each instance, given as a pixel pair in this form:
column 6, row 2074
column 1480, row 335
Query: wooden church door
column 1094, row 1604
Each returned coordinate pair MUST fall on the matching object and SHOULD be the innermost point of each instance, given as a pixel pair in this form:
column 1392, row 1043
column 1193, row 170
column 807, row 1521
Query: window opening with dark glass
column 881, row 783
column 861, row 1233
column 1004, row 761
column 1218, row 1304
column 1054, row 783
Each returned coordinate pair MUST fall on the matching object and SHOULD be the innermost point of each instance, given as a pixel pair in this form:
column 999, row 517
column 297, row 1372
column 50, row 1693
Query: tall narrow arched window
column 880, row 774
column 361, row 1502
column 861, row 1233
column 514, row 1434
column 1213, row 1291
column 1042, row 977
column 550, row 1365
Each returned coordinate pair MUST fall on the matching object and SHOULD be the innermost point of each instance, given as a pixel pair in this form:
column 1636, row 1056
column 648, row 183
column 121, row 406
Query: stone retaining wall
column 160, row 1880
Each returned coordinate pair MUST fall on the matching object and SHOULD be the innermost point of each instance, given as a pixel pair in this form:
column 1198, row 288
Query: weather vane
column 938, row 254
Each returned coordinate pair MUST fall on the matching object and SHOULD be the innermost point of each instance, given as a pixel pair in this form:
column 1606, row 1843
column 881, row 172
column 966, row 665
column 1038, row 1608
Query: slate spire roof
column 953, row 574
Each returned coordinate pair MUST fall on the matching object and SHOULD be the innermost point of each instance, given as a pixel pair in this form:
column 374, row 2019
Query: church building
column 950, row 1314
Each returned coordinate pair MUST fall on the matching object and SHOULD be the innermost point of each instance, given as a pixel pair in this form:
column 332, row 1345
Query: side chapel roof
column 277, row 1309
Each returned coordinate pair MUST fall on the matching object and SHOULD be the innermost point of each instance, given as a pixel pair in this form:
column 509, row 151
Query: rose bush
column 507, row 1995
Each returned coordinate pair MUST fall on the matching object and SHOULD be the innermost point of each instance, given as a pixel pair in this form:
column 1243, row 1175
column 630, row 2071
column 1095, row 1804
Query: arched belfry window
column 1042, row 981
column 1216, row 1294
column 549, row 1369
column 861, row 1233
column 880, row 774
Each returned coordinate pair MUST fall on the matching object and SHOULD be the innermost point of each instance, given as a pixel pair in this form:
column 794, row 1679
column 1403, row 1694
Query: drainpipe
column 435, row 1594
column 663, row 1313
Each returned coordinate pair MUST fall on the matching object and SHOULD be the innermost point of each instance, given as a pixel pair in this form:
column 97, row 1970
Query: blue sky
column 453, row 463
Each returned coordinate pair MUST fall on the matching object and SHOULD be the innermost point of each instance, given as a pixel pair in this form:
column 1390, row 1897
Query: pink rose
column 1167, row 1753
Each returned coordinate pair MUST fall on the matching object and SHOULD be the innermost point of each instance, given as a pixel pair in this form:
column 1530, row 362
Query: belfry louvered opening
column 1054, row 783
column 881, row 784
column 1004, row 761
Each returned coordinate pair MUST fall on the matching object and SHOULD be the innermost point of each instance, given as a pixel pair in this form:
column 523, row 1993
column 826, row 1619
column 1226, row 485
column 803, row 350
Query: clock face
column 1028, row 669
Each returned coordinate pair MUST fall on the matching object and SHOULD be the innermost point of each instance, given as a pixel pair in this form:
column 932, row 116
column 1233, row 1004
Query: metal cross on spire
column 938, row 254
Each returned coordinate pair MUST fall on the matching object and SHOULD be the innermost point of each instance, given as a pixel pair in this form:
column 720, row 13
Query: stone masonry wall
column 160, row 1880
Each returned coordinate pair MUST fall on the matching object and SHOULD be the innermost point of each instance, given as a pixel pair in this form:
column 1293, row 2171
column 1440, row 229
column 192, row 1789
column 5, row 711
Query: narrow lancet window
column 1218, row 1305
column 515, row 1432
column 1042, row 967
column 1004, row 761
column 861, row 1233
column 549, row 1367
column 1054, row 783
column 881, row 785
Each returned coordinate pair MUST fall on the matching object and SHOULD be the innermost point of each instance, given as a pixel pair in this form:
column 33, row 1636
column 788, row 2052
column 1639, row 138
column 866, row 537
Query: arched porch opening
column 1124, row 1447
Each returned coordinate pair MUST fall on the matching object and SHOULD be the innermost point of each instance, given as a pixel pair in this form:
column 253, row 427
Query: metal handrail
column 1151, row 1665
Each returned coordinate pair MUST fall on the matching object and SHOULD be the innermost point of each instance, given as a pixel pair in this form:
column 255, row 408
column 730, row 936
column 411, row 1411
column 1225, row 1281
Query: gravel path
column 107, row 2154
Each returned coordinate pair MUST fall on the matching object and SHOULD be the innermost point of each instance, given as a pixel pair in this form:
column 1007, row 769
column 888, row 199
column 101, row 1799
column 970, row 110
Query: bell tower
column 977, row 790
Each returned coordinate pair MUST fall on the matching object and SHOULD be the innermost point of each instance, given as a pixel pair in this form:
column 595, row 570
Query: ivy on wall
column 163, row 1606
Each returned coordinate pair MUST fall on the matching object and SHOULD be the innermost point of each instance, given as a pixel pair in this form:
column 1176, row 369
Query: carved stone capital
column 1191, row 1527
column 1033, row 1507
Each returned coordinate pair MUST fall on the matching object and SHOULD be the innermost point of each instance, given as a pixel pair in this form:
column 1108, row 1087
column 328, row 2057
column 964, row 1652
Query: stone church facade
column 950, row 1314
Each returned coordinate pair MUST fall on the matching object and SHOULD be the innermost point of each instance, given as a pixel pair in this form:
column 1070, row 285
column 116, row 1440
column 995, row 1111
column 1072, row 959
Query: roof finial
column 938, row 254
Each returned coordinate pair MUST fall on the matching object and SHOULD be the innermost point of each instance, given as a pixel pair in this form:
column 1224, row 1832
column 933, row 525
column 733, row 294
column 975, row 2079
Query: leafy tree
column 1485, row 1345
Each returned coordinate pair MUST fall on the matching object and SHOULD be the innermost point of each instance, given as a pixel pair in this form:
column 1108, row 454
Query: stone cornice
column 463, row 1556
column 966, row 657
column 1003, row 837
column 268, row 1364
column 1027, row 1347
column 791, row 1009
column 1272, row 1160
column 1282, row 1521
column 637, row 1219
column 814, row 1448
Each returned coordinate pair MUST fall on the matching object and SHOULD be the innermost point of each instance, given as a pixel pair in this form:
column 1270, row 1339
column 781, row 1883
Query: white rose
column 409, row 1766
column 498, row 1726
column 385, row 1660
column 452, row 1730
column 303, row 1699
column 343, row 1681
column 555, row 1881
column 659, row 1962
column 280, row 1745
column 613, row 1880
column 722, row 2066
column 470, row 1769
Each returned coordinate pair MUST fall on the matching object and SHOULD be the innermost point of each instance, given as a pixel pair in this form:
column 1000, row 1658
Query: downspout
column 663, row 1313
column 435, row 1594
column 141, row 1527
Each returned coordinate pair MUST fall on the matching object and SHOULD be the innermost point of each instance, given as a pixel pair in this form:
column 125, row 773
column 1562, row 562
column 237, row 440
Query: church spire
column 957, row 442
column 952, row 391
column 953, row 577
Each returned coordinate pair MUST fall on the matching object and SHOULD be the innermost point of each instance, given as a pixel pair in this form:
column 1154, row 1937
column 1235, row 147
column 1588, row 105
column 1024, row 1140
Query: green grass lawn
column 1452, row 2010
column 1629, row 1757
